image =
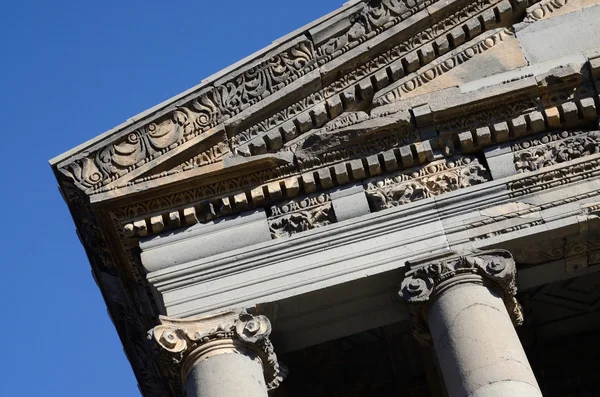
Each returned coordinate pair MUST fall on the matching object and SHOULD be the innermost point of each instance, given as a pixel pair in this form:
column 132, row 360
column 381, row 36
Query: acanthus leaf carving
column 424, row 280
column 185, row 340
column 213, row 105
column 433, row 179
column 295, row 216
column 547, row 151
column 374, row 17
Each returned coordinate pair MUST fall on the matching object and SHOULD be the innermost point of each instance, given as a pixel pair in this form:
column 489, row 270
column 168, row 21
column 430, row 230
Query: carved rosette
column 189, row 341
column 425, row 282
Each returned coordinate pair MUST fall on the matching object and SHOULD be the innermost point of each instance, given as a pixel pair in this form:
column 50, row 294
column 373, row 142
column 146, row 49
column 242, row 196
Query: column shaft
column 478, row 349
column 227, row 375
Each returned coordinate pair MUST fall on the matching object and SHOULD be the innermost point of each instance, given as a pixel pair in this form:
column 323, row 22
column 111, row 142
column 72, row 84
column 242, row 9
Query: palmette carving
column 556, row 152
column 240, row 332
column 213, row 105
column 432, row 180
column 422, row 283
column 373, row 18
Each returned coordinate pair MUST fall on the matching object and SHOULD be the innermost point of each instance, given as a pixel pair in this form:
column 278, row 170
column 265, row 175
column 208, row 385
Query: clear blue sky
column 70, row 70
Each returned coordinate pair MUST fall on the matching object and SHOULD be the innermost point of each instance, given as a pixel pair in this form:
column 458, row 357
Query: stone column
column 223, row 355
column 466, row 307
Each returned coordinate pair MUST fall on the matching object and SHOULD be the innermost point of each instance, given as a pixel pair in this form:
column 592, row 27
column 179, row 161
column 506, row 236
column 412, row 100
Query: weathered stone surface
column 385, row 131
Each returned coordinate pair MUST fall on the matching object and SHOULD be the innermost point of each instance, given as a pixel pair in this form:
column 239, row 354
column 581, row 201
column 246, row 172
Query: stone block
column 358, row 170
column 466, row 141
column 274, row 191
column 536, row 122
column 288, row 131
column 500, row 166
column 442, row 44
column 389, row 161
column 274, row 140
column 373, row 165
column 397, row 70
column 341, row 174
column 587, row 107
column 501, row 132
column 240, row 201
column 483, row 136
column 204, row 239
column 292, row 187
column 504, row 12
column 319, row 113
column 489, row 19
column 258, row 196
column 411, row 62
column 381, row 79
column 258, row 146
column 406, row 156
column 553, row 117
column 473, row 27
column 174, row 219
column 308, row 181
column 562, row 35
column 335, row 106
column 304, row 122
column 423, row 115
column 569, row 112
column 458, row 36
column 189, row 214
column 351, row 206
column 325, row 178
column 157, row 224
column 519, row 126
column 427, row 54
column 366, row 89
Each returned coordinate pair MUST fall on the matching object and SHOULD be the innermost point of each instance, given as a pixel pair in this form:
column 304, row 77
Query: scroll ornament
column 422, row 284
column 182, row 339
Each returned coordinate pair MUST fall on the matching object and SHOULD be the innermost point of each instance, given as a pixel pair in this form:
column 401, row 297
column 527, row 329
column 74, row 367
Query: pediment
column 402, row 100
column 298, row 95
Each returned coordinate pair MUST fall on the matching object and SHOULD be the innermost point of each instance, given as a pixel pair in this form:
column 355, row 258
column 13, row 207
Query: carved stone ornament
column 425, row 282
column 188, row 341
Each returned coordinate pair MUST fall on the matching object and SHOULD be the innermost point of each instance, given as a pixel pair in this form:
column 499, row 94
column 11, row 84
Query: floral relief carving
column 214, row 105
column 421, row 282
column 537, row 154
column 374, row 17
column 301, row 215
column 432, row 180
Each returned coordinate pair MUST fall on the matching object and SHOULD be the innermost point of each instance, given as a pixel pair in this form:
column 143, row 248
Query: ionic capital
column 189, row 341
column 426, row 281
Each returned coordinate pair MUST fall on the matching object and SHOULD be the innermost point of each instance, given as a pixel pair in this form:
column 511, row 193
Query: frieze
column 277, row 119
column 354, row 135
column 555, row 177
column 507, row 230
column 487, row 114
column 213, row 105
column 421, row 281
column 435, row 178
column 420, row 39
column 547, row 151
column 373, row 18
column 295, row 216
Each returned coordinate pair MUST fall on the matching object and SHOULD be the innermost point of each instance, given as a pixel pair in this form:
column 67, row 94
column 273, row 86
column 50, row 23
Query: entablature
column 379, row 127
